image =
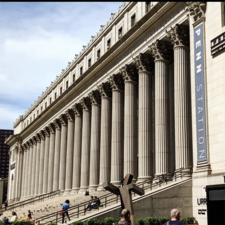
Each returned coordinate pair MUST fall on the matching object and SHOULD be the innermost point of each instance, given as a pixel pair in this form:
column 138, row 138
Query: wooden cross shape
column 125, row 193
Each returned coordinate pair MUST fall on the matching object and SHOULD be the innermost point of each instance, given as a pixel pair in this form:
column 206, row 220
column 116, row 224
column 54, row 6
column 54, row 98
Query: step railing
column 31, row 200
column 79, row 209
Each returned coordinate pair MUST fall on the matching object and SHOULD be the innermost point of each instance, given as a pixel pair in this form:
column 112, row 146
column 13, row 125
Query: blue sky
column 37, row 40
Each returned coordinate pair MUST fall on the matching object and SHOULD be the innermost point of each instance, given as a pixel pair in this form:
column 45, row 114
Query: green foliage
column 22, row 223
column 77, row 223
column 117, row 219
column 140, row 221
column 162, row 220
column 99, row 222
column 52, row 224
column 109, row 220
column 90, row 222
column 188, row 220
column 1, row 222
column 151, row 221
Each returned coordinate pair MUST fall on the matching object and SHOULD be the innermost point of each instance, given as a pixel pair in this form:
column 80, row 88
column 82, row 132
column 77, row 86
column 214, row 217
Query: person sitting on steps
column 90, row 204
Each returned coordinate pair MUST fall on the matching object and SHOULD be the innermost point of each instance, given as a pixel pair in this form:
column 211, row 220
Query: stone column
column 37, row 164
column 63, row 148
column 160, row 51
column 57, row 154
column 41, row 168
column 145, row 65
column 85, row 149
column 117, row 85
column 46, row 159
column 51, row 157
column 179, row 35
column 69, row 153
column 24, row 171
column 33, row 163
column 30, row 168
column 20, row 173
column 130, row 76
column 95, row 139
column 77, row 148
column 105, row 141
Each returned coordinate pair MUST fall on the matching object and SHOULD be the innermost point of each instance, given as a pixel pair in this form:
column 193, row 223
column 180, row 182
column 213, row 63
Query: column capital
column 34, row 140
column 51, row 128
column 69, row 115
column 31, row 143
column 129, row 73
column 95, row 97
column 46, row 131
column 179, row 35
column 27, row 145
column 57, row 124
column 85, row 103
column 144, row 63
column 77, row 108
column 42, row 135
column 161, row 50
column 116, row 82
column 63, row 119
column 105, row 89
column 196, row 10
column 10, row 153
column 38, row 138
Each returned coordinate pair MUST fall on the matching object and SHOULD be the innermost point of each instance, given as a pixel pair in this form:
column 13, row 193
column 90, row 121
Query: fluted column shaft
column 37, row 164
column 16, row 174
column 41, row 168
column 20, row 174
column 130, row 129
column 69, row 157
column 24, row 173
column 117, row 136
column 29, row 175
column 95, row 147
column 161, row 116
column 62, row 168
column 182, row 107
column 85, row 152
column 77, row 153
column 144, row 126
column 51, row 161
column 56, row 159
column 105, row 141
column 33, row 162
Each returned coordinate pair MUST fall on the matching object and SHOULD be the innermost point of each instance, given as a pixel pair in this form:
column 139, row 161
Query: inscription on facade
column 12, row 166
column 200, row 93
column 218, row 44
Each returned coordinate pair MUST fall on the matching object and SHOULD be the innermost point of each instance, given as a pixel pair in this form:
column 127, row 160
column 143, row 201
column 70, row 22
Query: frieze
column 129, row 73
column 105, row 90
column 196, row 9
column 179, row 35
column 144, row 63
column 116, row 82
column 77, row 109
column 85, row 103
column 95, row 97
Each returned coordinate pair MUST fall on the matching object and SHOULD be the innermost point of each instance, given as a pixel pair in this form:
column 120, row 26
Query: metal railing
column 31, row 200
column 79, row 209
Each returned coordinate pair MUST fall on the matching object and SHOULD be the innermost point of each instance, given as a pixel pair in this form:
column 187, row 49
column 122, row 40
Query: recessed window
column 60, row 90
column 81, row 70
column 45, row 104
column 148, row 6
column 98, row 54
column 120, row 32
column 67, row 84
column 74, row 78
column 55, row 95
column 41, row 108
column 108, row 44
column 34, row 116
column 89, row 62
column 30, row 119
column 133, row 18
column 50, row 100
column 27, row 122
column 37, row 112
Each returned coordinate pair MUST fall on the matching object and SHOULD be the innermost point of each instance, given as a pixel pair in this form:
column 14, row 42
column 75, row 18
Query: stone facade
column 133, row 110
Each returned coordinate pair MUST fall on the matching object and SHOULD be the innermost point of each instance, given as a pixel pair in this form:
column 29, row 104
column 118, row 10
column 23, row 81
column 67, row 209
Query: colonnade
column 123, row 126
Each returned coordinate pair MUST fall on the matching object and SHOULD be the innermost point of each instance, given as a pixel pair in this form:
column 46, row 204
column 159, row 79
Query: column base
column 93, row 187
column 141, row 179
column 67, row 192
column 74, row 191
column 100, row 187
column 83, row 189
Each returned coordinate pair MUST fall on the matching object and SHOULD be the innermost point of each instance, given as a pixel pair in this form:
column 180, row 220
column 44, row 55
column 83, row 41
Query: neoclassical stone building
column 146, row 96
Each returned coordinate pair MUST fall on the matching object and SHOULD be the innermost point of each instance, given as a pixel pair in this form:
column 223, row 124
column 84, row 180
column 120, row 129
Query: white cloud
column 37, row 41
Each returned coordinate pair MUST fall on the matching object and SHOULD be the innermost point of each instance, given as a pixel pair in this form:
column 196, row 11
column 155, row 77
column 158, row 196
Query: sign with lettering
column 218, row 44
column 200, row 93
column 12, row 166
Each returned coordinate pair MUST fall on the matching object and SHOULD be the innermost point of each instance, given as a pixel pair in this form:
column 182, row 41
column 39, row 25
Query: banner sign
column 200, row 93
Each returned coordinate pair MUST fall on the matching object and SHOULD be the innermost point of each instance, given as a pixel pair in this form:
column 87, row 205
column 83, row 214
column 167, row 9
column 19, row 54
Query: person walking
column 175, row 217
column 65, row 208
column 6, row 204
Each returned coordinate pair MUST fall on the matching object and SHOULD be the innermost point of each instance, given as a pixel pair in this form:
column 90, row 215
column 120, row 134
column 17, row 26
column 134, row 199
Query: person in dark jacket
column 29, row 215
column 175, row 217
column 65, row 208
column 6, row 204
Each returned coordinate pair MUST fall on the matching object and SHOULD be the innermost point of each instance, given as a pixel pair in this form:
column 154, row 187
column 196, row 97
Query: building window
column 120, row 32
column 108, row 44
column 24, row 125
column 81, row 70
column 27, row 122
column 89, row 62
column 37, row 112
column 133, row 18
column 45, row 104
column 41, row 108
column 98, row 54
column 74, row 78
column 55, row 95
column 34, row 116
column 50, row 100
column 60, row 90
column 30, row 119
column 67, row 84
column 148, row 6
